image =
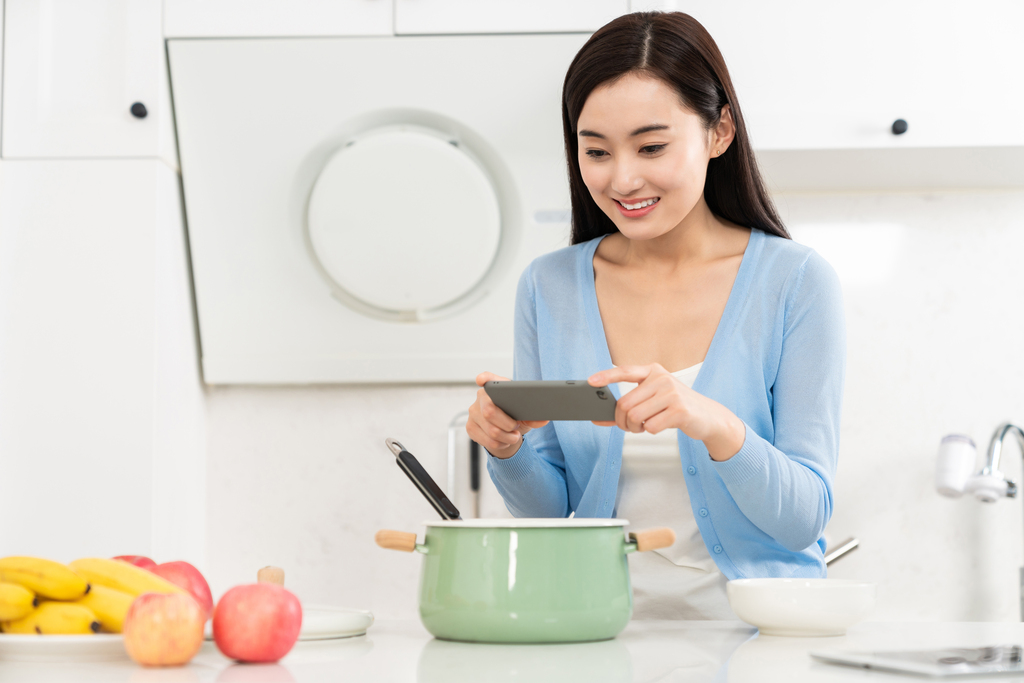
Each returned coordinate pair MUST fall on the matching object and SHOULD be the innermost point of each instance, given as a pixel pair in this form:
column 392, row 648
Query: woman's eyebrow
column 639, row 131
column 648, row 129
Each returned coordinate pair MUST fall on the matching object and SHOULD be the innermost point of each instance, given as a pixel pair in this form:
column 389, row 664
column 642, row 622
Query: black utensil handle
column 430, row 490
column 474, row 466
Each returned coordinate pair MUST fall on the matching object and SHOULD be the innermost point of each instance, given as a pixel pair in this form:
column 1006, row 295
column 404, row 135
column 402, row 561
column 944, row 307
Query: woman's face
column 643, row 156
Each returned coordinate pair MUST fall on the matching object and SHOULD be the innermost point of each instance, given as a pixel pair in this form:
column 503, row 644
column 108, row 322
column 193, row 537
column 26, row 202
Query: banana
column 123, row 577
column 52, row 618
column 15, row 601
column 110, row 606
column 46, row 578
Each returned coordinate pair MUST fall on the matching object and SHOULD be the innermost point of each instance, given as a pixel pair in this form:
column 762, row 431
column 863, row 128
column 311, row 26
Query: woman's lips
column 637, row 213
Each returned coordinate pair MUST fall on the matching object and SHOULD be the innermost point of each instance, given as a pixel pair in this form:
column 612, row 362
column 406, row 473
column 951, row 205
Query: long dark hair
column 676, row 49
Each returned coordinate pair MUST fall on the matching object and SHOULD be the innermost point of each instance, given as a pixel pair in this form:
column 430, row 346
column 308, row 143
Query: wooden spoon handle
column 396, row 540
column 652, row 539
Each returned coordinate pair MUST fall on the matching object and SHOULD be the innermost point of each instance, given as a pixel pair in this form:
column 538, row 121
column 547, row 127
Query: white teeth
column 634, row 207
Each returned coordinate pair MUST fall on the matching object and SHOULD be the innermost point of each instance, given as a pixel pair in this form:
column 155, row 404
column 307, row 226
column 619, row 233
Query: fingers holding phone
column 647, row 402
column 491, row 427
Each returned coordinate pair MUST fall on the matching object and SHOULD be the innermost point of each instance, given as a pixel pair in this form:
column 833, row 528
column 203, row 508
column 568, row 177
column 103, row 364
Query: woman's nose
column 625, row 179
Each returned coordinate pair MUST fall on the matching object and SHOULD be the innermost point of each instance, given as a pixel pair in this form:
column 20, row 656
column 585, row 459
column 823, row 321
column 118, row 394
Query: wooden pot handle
column 652, row 539
column 396, row 540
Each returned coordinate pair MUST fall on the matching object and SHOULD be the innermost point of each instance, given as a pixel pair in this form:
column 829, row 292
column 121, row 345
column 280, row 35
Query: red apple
column 184, row 575
column 257, row 622
column 137, row 560
column 163, row 629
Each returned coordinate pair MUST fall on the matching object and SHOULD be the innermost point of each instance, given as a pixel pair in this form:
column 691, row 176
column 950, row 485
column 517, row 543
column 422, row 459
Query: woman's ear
column 723, row 133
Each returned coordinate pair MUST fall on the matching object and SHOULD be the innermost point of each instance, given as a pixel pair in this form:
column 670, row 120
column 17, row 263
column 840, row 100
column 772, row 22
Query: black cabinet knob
column 899, row 127
column 139, row 110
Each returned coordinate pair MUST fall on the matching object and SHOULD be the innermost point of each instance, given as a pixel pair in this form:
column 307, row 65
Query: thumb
column 485, row 377
column 527, row 425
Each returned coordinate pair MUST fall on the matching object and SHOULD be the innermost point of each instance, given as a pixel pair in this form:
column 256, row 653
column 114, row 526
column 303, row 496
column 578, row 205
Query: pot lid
column 530, row 522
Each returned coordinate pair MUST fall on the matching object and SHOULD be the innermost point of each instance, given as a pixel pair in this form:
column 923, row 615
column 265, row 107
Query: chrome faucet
column 989, row 484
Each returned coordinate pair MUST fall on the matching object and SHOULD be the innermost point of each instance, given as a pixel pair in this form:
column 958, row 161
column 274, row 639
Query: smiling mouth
column 640, row 204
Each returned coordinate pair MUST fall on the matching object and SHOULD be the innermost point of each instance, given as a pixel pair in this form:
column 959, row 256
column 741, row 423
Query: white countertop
column 664, row 651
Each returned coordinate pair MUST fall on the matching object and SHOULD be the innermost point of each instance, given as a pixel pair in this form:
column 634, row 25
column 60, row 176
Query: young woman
column 722, row 338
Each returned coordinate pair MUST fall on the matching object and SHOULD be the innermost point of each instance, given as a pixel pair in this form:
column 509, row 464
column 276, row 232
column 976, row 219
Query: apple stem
column 271, row 575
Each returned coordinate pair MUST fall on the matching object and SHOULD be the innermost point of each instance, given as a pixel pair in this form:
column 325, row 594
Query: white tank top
column 681, row 581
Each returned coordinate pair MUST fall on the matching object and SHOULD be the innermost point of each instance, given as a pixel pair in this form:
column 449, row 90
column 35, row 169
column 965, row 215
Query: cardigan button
column 691, row 469
column 717, row 548
column 703, row 512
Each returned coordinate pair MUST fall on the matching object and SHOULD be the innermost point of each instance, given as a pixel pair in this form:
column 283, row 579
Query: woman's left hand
column 660, row 401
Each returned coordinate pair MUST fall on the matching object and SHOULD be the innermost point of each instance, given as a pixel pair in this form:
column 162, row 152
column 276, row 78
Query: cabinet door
column 76, row 355
column 73, row 69
column 505, row 16
column 813, row 75
column 233, row 18
column 101, row 410
column 1, row 66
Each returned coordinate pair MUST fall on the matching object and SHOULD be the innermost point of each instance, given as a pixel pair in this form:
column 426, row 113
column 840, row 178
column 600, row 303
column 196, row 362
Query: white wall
column 299, row 477
column 932, row 282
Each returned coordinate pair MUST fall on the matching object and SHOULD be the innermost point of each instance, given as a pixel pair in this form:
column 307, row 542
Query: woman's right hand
column 491, row 427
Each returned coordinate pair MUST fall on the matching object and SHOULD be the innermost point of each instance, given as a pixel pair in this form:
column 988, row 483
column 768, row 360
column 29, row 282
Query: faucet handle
column 988, row 488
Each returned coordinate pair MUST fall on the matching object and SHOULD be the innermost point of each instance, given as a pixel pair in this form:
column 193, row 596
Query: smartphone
column 553, row 400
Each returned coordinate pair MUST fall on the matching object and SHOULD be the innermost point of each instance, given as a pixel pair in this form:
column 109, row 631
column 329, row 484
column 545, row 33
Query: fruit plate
column 320, row 622
column 101, row 647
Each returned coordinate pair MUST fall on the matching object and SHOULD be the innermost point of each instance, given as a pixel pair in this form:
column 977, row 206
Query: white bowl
column 801, row 607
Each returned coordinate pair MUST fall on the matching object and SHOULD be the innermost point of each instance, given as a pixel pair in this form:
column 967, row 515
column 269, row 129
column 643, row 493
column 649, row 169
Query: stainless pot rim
column 529, row 523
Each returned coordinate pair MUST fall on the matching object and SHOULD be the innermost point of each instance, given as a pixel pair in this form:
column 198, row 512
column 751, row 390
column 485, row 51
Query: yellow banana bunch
column 123, row 577
column 52, row 618
column 46, row 578
column 110, row 606
column 15, row 601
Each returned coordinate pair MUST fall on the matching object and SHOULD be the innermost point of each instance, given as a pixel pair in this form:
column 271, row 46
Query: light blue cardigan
column 777, row 361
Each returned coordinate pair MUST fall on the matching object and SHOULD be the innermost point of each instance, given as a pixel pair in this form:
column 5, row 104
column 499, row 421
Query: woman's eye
column 596, row 153
column 652, row 149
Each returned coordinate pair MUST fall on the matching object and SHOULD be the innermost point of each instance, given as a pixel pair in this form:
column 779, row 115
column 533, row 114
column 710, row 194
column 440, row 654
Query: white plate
column 101, row 647
column 322, row 623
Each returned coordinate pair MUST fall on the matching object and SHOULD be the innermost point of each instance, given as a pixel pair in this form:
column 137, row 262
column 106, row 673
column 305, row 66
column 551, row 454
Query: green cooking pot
column 526, row 580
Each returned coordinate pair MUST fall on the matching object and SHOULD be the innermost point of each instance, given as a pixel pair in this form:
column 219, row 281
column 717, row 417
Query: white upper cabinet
column 256, row 18
column 812, row 75
column 82, row 78
column 504, row 16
